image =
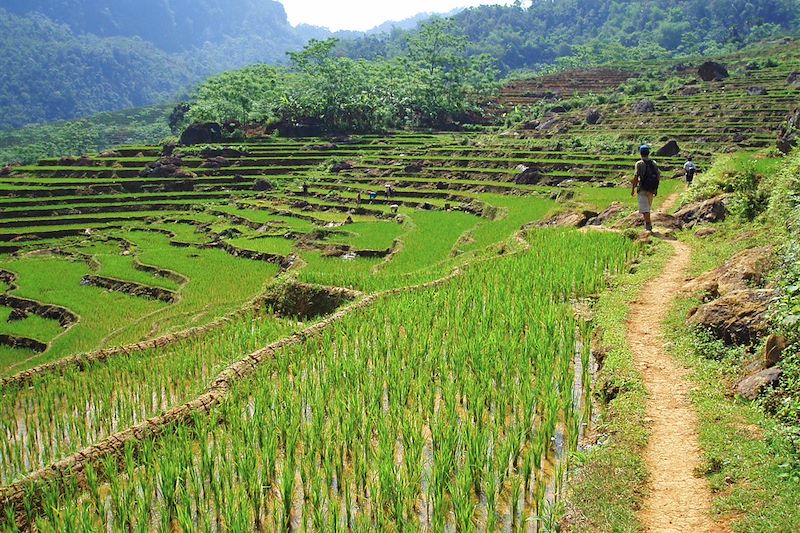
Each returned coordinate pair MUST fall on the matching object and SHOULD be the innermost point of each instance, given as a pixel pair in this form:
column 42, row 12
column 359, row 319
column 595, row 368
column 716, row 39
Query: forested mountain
column 530, row 37
column 171, row 25
column 49, row 72
column 70, row 58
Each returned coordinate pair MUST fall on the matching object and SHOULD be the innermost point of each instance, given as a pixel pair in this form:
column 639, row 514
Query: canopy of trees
column 531, row 37
column 432, row 84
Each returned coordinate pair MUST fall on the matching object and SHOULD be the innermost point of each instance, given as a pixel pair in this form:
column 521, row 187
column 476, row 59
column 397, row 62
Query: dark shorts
column 689, row 176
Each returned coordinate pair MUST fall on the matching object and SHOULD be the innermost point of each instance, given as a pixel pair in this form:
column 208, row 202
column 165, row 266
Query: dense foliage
column 74, row 58
column 594, row 30
column 172, row 26
column 146, row 125
column 50, row 72
column 432, row 84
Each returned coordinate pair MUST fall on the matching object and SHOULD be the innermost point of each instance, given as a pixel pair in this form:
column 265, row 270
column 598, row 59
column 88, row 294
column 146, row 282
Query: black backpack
column 650, row 177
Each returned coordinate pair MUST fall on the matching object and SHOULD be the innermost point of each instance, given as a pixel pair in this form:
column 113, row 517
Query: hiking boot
column 648, row 227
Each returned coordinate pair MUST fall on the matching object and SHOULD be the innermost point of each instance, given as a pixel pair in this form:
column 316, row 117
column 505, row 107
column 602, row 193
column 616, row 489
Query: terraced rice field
column 261, row 335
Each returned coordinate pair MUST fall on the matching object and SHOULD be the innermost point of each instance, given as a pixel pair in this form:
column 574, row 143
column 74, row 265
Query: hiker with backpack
column 646, row 178
column 690, row 169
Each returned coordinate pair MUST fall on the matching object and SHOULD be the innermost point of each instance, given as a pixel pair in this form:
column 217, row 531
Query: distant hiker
column 305, row 188
column 646, row 177
column 394, row 208
column 358, row 199
column 691, row 169
column 389, row 190
column 372, row 195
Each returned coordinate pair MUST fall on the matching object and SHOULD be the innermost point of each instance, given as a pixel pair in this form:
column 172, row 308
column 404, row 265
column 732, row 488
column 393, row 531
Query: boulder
column 704, row 211
column 528, row 176
column 202, row 133
column 215, row 162
column 787, row 137
column 752, row 386
column 644, row 106
column 745, row 270
column 413, row 168
column 340, row 167
column 671, row 149
column 712, row 71
column 773, row 350
column 166, row 167
column 738, row 317
column 82, row 161
column 689, row 90
column 757, row 91
column 594, row 117
column 8, row 169
column 793, row 79
column 569, row 219
column 262, row 185
column 610, row 212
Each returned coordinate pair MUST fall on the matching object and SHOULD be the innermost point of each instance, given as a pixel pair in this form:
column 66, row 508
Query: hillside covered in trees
column 595, row 30
column 74, row 58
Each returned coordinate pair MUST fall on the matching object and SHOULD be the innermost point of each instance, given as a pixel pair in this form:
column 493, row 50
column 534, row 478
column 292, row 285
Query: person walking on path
column 690, row 169
column 646, row 178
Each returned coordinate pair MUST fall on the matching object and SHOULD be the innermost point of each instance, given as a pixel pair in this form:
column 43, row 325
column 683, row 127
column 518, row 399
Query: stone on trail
column 752, row 386
column 671, row 149
column 757, row 91
column 712, row 71
column 705, row 211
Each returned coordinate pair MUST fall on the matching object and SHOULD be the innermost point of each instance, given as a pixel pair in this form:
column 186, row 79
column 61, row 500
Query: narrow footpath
column 678, row 501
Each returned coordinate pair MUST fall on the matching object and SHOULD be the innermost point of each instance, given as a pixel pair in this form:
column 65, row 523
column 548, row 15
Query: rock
column 793, row 79
column 634, row 220
column 340, row 167
column 644, row 106
column 705, row 211
column 757, row 91
column 8, row 169
column 548, row 124
column 671, row 149
column 610, row 212
column 594, row 117
column 712, row 71
column 738, row 317
column 752, row 386
column 745, row 270
column 168, row 149
column 262, row 185
column 558, row 109
column 82, row 161
column 215, row 162
column 413, row 168
column 569, row 219
column 787, row 137
column 689, row 90
column 166, row 167
column 679, row 67
column 705, row 232
column 109, row 153
column 201, row 133
column 773, row 350
column 529, row 176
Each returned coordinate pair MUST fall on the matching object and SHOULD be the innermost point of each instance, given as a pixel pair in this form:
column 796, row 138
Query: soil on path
column 678, row 501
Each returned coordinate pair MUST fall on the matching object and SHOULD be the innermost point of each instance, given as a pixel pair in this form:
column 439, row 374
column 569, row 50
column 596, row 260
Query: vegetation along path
column 678, row 501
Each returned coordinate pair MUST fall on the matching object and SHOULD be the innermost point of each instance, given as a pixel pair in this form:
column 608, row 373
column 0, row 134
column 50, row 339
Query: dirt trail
column 678, row 500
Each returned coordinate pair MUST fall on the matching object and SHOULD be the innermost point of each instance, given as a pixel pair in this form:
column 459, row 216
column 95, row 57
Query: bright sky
column 366, row 14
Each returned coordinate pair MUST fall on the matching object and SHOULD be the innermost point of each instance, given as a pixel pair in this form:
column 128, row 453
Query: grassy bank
column 607, row 487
